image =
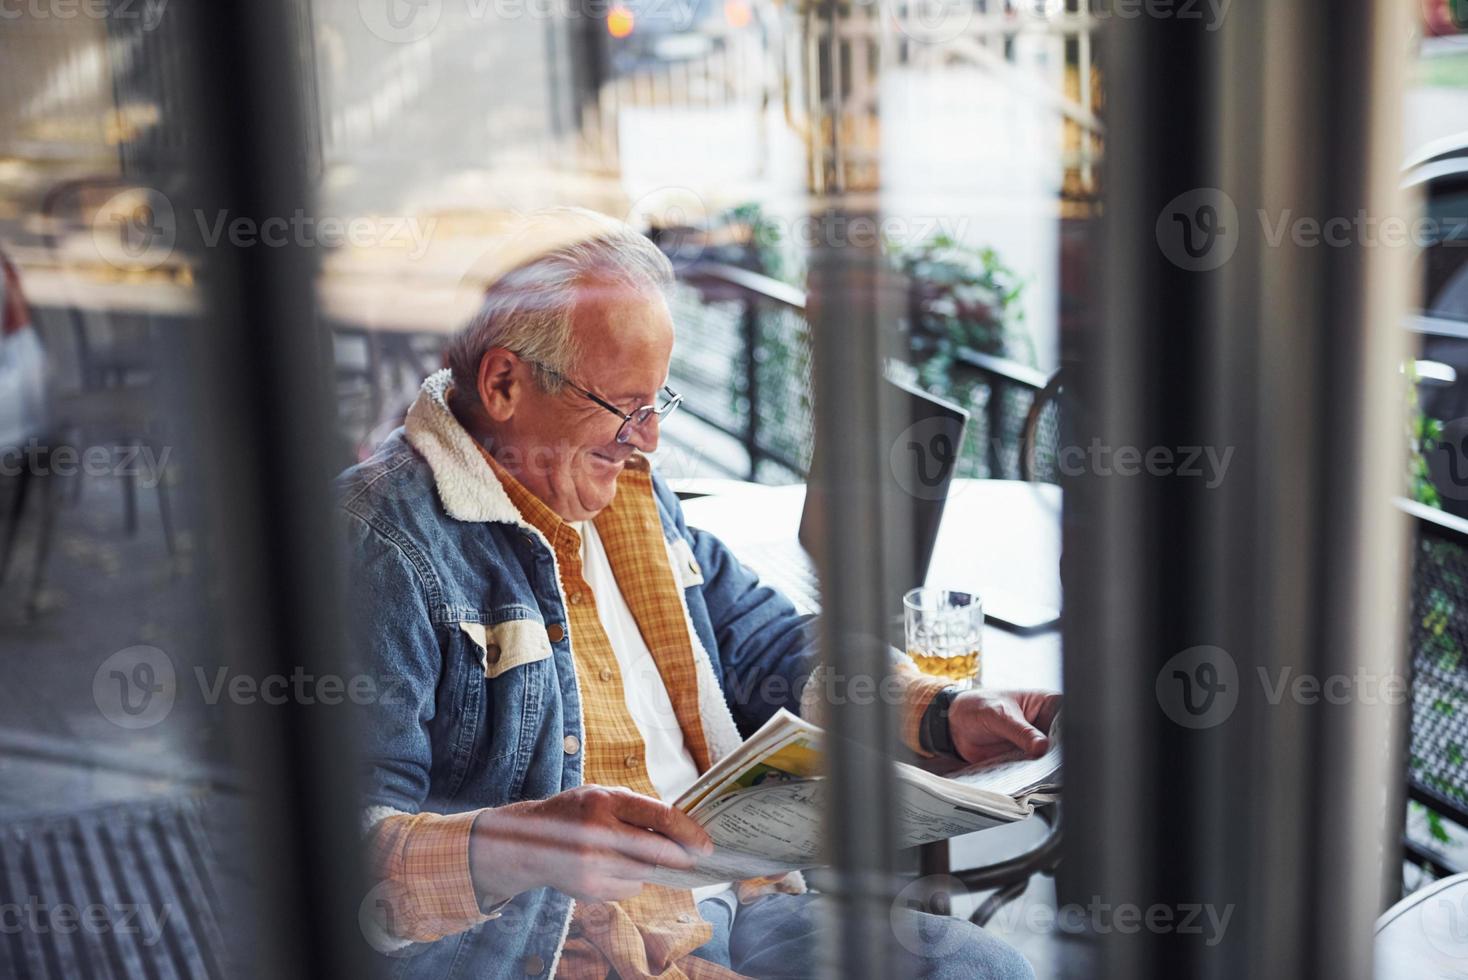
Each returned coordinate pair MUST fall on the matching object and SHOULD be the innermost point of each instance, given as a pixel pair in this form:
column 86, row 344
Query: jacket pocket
column 512, row 643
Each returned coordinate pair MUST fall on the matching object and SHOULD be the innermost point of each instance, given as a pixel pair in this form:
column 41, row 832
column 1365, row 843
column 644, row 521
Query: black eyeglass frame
column 637, row 417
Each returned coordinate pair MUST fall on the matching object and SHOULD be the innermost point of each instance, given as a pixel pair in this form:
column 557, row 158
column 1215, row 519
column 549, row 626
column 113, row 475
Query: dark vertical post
column 263, row 400
column 1197, row 781
column 852, row 301
column 586, row 41
column 749, row 331
column 854, row 308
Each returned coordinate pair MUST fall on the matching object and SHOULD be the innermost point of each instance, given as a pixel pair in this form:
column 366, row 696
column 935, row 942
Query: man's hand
column 594, row 843
column 986, row 725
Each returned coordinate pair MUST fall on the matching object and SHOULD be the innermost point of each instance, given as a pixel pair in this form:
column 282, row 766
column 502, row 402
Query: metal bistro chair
column 1437, row 765
column 1039, row 448
column 112, row 362
column 1039, row 462
column 1007, row 879
column 1002, row 396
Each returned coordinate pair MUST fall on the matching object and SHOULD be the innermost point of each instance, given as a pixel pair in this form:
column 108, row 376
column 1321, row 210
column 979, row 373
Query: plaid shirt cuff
column 422, row 861
column 918, row 693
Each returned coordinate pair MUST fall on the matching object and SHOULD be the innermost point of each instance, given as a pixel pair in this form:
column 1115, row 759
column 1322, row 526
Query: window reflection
column 739, row 137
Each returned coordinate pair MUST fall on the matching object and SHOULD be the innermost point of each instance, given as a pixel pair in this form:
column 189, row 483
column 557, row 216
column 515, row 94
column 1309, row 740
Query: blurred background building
column 437, row 121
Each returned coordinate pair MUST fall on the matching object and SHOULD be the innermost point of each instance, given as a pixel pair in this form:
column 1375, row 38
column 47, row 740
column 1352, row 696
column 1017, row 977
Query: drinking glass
column 945, row 634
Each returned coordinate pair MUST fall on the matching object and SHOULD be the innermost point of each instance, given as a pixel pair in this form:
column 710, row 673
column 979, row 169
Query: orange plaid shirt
column 423, row 859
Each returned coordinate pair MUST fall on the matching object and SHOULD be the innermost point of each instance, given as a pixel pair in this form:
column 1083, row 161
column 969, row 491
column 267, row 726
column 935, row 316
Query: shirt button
column 631, row 761
column 575, row 598
column 685, row 918
column 533, row 966
column 555, row 632
column 605, row 673
column 571, row 744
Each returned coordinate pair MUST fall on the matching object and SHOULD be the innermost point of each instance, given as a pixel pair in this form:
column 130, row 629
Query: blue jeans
column 777, row 937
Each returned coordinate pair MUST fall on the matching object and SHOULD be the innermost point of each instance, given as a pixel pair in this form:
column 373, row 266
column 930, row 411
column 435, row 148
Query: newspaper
column 763, row 804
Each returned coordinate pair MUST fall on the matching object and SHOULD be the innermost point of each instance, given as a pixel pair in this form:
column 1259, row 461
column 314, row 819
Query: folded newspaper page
column 763, row 804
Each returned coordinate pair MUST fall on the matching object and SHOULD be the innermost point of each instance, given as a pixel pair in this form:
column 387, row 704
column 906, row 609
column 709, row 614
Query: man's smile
column 609, row 459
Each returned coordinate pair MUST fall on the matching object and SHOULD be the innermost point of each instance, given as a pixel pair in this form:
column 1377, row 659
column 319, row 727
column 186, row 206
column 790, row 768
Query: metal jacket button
column 555, row 632
column 571, row 744
column 533, row 965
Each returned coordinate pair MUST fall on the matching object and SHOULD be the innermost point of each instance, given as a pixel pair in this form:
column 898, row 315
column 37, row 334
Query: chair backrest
column 1437, row 765
column 109, row 347
column 999, row 394
column 1443, row 184
column 1039, row 450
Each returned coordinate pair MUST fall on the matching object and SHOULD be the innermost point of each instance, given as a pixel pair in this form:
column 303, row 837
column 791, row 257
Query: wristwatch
column 934, row 733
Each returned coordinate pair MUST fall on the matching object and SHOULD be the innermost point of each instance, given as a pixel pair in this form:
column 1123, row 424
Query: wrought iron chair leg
column 997, row 901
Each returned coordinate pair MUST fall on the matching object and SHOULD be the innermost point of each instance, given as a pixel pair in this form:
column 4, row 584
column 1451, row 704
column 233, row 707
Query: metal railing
column 1437, row 769
column 743, row 362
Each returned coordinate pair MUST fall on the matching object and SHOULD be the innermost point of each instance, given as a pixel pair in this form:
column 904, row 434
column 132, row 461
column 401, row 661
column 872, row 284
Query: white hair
column 560, row 253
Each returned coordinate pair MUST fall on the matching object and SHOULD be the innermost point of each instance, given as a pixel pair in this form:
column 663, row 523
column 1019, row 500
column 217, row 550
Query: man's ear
column 500, row 387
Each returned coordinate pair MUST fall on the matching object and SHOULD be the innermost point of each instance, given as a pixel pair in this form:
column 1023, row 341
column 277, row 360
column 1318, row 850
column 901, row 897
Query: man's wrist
column 489, row 894
column 934, row 733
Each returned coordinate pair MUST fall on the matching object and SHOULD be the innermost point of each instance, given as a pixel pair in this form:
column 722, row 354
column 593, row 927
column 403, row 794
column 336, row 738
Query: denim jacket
column 452, row 593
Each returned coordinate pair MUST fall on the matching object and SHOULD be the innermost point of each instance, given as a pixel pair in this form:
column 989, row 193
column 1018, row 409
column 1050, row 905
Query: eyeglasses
column 635, row 419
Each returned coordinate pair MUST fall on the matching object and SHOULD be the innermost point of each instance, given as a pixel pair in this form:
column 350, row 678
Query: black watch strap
column 934, row 733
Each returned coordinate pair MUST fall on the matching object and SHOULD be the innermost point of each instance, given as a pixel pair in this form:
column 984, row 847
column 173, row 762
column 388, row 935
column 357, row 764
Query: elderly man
column 571, row 655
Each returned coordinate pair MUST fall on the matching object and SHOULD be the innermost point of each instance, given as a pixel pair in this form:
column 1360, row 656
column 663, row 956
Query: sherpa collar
column 466, row 484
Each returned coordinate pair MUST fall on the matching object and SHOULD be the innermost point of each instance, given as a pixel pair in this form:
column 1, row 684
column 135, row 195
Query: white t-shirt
column 670, row 765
